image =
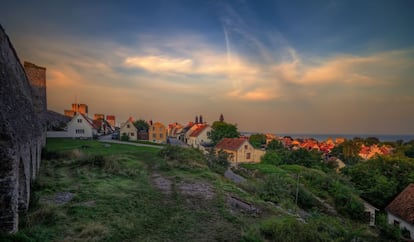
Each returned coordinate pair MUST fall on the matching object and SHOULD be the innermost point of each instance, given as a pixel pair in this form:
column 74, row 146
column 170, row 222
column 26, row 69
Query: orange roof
column 198, row 131
column 403, row 205
column 231, row 143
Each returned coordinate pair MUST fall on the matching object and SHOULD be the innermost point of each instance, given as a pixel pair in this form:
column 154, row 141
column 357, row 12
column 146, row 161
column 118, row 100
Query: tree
column 371, row 141
column 141, row 125
column 257, row 140
column 222, row 130
column 348, row 151
column 272, row 157
column 275, row 145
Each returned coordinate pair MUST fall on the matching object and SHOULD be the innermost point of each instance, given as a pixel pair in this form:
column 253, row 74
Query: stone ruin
column 22, row 132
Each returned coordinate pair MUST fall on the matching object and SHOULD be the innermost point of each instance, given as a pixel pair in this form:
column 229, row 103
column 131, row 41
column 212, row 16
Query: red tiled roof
column 230, row 143
column 403, row 205
column 198, row 131
column 98, row 123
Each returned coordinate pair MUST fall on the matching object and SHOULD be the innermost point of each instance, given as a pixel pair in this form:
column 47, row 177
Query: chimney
column 196, row 119
column 201, row 119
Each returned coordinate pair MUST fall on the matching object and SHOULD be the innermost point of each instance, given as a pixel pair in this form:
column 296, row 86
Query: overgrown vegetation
column 115, row 197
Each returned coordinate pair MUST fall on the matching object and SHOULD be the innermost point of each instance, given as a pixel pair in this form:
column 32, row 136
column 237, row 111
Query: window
column 80, row 131
column 248, row 156
column 161, row 136
column 245, row 147
column 128, row 126
column 153, row 128
column 79, row 120
column 154, row 136
column 132, row 134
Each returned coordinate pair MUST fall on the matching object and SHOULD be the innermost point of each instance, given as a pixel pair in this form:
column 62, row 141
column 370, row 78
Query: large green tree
column 141, row 125
column 382, row 178
column 348, row 151
column 222, row 130
column 257, row 140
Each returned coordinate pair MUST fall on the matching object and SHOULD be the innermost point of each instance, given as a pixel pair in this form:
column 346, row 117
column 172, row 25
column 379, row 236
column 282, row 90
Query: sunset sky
column 320, row 66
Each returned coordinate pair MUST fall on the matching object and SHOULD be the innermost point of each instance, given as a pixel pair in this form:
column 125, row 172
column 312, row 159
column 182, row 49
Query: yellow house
column 239, row 150
column 157, row 133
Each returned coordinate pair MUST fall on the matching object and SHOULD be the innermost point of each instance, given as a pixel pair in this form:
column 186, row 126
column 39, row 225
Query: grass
column 115, row 199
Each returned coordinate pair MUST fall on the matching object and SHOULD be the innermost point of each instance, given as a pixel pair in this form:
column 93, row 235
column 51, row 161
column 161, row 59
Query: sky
column 313, row 67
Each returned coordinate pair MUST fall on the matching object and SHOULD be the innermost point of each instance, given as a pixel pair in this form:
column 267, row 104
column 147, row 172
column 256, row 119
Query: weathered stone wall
column 21, row 137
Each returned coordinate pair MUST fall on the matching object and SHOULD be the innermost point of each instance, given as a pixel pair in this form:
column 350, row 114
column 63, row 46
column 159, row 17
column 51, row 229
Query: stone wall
column 21, row 137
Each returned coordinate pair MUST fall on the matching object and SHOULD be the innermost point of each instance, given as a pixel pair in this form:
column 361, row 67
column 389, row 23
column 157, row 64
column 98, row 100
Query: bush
column 388, row 232
column 125, row 137
column 288, row 229
column 275, row 188
column 50, row 155
column 183, row 158
column 218, row 162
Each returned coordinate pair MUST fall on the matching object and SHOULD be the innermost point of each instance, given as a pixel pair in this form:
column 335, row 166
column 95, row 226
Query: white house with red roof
column 401, row 210
column 81, row 127
column 129, row 130
column 199, row 136
column 239, row 150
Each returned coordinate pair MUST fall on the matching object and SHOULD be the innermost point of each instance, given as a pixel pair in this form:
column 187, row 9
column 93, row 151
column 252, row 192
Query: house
column 174, row 129
column 200, row 137
column 129, row 130
column 157, row 133
column 370, row 211
column 401, row 210
column 239, row 150
column 81, row 127
column 182, row 134
column 368, row 152
column 103, row 126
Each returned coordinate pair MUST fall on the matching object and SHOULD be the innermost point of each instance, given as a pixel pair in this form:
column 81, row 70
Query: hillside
column 90, row 191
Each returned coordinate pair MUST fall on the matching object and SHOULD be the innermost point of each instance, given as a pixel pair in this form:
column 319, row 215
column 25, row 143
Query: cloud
column 160, row 64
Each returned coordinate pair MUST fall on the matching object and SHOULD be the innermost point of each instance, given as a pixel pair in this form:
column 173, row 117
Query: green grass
column 115, row 198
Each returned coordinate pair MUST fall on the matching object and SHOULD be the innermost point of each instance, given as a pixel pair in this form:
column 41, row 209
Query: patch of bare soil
column 59, row 198
column 194, row 189
column 197, row 189
column 162, row 183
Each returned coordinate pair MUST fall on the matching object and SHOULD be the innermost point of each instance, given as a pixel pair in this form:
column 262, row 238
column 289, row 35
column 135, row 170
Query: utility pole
column 297, row 191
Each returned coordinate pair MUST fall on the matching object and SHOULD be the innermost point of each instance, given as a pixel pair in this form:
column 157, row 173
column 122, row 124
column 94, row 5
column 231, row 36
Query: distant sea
column 323, row 137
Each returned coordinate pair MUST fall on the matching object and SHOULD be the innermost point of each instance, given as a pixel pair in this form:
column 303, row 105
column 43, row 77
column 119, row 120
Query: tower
column 37, row 80
column 221, row 118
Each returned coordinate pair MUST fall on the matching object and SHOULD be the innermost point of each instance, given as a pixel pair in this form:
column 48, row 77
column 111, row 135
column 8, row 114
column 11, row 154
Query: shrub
column 218, row 162
column 288, row 229
column 125, row 137
column 50, row 155
column 183, row 158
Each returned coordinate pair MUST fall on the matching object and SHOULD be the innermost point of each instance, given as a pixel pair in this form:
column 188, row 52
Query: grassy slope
column 115, row 200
